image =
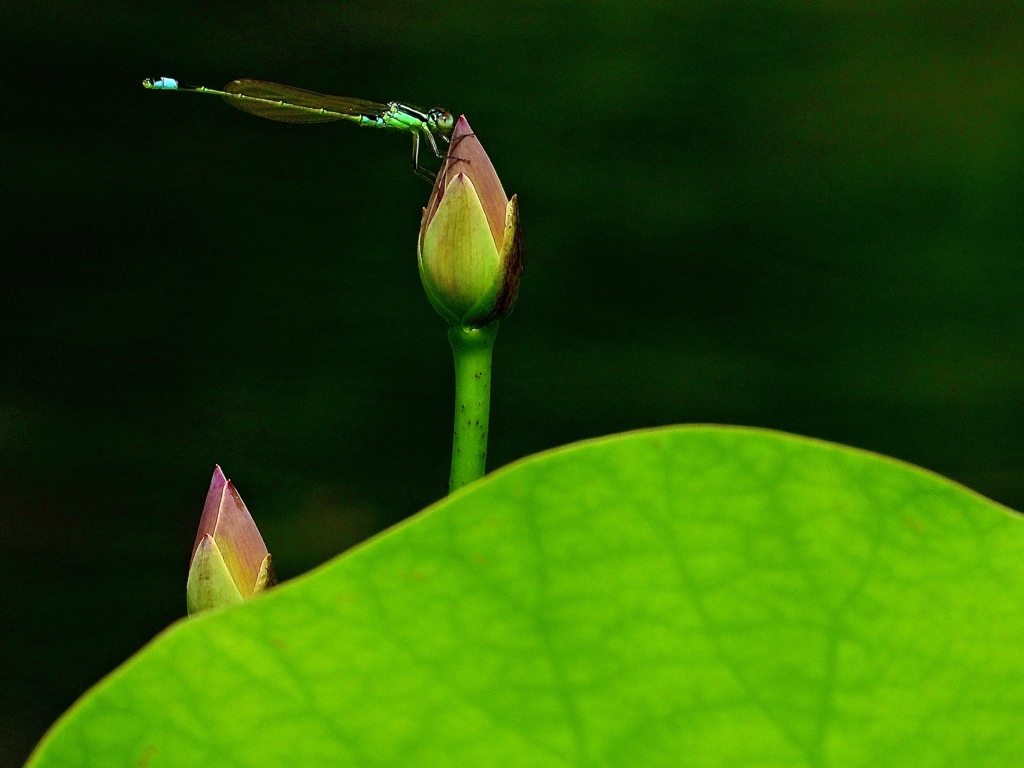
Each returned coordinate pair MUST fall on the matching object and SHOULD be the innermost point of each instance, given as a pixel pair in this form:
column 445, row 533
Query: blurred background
column 806, row 216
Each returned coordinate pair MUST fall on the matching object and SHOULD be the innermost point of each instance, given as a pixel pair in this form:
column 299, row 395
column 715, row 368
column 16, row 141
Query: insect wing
column 296, row 105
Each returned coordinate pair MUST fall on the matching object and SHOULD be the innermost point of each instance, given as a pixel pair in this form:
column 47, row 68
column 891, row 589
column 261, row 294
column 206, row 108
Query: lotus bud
column 470, row 243
column 230, row 562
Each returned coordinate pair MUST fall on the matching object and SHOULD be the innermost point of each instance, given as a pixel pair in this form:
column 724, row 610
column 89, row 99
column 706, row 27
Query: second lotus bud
column 230, row 562
column 470, row 243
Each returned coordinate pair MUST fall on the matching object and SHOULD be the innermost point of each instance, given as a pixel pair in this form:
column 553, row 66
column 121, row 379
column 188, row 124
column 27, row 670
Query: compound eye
column 443, row 120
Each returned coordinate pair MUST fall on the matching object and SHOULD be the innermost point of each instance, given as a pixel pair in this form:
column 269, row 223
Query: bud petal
column 209, row 583
column 230, row 562
column 266, row 578
column 511, row 261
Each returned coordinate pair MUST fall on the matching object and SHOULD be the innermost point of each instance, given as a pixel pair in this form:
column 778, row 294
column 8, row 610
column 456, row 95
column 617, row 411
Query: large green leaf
column 695, row 596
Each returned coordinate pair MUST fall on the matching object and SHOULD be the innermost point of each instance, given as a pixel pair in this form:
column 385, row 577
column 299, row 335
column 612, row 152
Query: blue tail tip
column 160, row 83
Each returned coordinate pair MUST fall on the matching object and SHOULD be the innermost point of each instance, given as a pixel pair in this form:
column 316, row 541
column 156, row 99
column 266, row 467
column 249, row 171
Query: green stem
column 472, row 348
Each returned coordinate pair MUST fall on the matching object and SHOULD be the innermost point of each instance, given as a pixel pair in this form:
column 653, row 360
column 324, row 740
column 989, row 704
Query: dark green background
column 805, row 216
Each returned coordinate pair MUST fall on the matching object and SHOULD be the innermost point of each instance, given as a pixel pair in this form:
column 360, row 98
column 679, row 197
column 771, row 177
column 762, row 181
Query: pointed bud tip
column 461, row 128
column 219, row 479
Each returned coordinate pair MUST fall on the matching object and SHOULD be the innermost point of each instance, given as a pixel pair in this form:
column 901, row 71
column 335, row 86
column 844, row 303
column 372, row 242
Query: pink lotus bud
column 470, row 244
column 230, row 562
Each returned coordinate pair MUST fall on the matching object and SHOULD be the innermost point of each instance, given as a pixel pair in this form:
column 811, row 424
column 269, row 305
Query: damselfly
column 295, row 105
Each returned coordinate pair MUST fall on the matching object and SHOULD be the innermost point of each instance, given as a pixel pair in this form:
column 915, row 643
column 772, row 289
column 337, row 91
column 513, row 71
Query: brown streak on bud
column 513, row 266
